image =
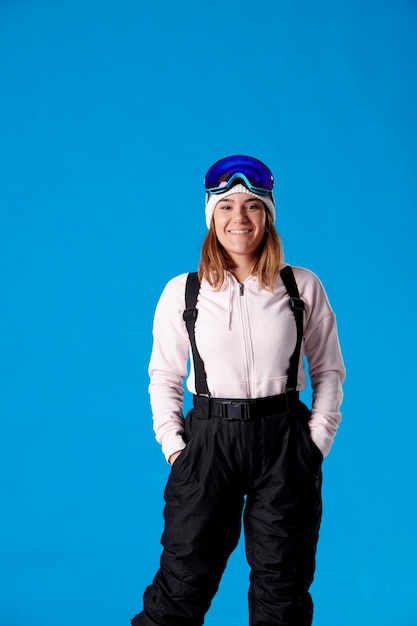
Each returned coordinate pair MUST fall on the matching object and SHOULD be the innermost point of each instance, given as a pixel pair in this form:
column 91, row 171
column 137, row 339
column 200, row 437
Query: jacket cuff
column 172, row 443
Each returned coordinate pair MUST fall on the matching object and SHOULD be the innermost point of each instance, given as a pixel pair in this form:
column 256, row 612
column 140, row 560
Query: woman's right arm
column 168, row 368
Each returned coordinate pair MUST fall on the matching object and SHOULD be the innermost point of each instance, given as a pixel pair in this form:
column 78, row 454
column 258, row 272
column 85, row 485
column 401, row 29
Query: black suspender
column 192, row 288
column 297, row 306
column 190, row 315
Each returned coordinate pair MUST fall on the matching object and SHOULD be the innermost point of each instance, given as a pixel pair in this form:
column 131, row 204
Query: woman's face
column 239, row 221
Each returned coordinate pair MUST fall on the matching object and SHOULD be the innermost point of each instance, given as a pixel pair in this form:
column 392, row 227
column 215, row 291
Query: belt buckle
column 236, row 411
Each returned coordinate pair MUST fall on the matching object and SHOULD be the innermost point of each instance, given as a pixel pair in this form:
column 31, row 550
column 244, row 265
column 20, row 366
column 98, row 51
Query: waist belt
column 236, row 409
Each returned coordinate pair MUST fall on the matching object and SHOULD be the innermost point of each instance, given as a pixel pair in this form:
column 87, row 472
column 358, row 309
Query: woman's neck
column 242, row 272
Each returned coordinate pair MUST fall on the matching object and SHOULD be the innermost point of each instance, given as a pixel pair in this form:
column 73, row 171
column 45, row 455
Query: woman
column 249, row 445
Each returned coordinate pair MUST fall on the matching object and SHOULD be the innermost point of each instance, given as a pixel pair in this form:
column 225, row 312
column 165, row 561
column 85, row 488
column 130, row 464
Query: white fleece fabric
column 245, row 336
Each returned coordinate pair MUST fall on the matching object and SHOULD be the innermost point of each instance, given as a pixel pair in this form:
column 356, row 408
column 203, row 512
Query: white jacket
column 245, row 336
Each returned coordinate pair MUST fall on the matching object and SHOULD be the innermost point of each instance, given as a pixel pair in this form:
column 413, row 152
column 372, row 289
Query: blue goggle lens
column 224, row 173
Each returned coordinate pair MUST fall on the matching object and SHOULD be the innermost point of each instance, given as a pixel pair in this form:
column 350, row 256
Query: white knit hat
column 213, row 198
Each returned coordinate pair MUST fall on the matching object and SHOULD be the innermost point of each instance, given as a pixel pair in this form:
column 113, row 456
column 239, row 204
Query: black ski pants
column 270, row 469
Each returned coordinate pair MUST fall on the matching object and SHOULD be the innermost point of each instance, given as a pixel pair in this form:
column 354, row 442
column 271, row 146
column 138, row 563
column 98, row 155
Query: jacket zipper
column 246, row 337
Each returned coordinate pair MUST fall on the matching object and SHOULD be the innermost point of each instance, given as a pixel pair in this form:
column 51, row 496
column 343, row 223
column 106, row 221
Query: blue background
column 110, row 114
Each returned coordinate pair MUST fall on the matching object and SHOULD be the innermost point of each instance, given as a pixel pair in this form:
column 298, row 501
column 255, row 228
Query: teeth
column 240, row 232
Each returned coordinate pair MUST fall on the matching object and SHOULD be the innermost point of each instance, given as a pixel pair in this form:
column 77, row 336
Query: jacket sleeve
column 168, row 367
column 325, row 364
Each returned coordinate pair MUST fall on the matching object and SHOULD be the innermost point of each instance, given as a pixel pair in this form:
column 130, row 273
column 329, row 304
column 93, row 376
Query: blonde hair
column 214, row 260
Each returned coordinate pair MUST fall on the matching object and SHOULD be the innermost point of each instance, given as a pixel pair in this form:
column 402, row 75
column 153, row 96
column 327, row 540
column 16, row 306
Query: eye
column 253, row 207
column 225, row 207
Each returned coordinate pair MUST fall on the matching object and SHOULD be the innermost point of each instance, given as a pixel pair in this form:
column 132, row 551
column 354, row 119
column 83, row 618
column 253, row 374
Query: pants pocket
column 310, row 452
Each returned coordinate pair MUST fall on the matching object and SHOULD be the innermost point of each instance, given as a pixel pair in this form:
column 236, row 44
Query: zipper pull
column 241, row 288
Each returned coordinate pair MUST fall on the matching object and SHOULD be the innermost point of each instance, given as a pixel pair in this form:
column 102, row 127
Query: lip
column 240, row 231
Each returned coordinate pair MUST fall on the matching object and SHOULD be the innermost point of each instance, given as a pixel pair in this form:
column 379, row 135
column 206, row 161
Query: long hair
column 214, row 260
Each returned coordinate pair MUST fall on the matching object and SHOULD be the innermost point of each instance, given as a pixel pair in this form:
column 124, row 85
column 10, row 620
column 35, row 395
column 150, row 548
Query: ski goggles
column 254, row 174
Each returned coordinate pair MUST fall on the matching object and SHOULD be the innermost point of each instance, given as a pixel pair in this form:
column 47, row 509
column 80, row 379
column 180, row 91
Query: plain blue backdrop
column 110, row 114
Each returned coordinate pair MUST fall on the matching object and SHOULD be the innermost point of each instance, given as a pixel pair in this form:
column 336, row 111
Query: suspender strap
column 192, row 288
column 297, row 306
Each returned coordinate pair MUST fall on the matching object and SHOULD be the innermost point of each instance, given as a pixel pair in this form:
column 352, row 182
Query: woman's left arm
column 327, row 372
column 325, row 363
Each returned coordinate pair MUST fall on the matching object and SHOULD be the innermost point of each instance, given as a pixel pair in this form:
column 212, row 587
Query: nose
column 240, row 214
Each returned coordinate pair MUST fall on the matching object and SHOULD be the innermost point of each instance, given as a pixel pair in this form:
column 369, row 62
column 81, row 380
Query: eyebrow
column 228, row 199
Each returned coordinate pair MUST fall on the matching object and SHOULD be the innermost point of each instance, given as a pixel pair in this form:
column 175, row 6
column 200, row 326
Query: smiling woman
column 239, row 222
column 241, row 239
column 249, row 444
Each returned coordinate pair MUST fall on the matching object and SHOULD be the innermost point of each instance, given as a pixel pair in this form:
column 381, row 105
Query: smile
column 240, row 231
